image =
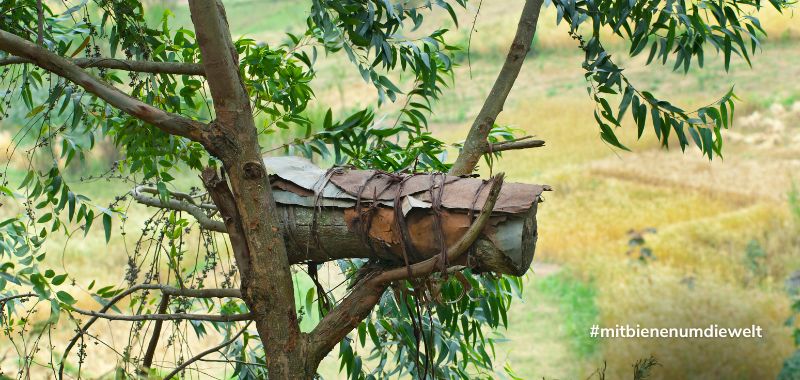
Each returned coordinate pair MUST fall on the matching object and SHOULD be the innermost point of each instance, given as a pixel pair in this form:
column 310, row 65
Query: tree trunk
column 267, row 287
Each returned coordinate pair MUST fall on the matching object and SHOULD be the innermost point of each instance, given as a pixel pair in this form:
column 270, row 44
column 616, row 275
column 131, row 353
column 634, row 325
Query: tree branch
column 39, row 23
column 201, row 293
column 170, row 290
column 167, row 122
column 166, row 317
column 223, row 198
column 3, row 300
column 424, row 268
column 177, row 194
column 367, row 293
column 147, row 362
column 177, row 68
column 211, row 350
column 476, row 145
column 267, row 286
column 520, row 143
column 173, row 204
column 343, row 318
column 219, row 56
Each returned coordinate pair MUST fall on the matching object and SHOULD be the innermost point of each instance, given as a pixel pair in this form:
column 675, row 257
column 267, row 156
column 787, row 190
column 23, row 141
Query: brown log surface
column 347, row 213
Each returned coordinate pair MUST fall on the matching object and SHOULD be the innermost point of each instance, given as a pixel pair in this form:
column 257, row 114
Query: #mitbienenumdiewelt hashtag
column 712, row 331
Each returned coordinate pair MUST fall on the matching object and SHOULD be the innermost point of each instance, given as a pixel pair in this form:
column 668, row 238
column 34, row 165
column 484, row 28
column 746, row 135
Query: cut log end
column 514, row 254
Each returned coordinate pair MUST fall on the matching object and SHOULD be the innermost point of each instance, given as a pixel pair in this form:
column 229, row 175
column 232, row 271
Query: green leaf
column 65, row 297
column 58, row 280
column 55, row 312
column 607, row 134
column 40, row 285
column 107, row 226
column 726, row 50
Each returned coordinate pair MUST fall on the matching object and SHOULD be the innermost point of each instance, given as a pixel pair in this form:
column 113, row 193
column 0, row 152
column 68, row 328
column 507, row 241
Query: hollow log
column 343, row 213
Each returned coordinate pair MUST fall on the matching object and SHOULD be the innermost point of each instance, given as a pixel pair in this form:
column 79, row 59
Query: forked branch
column 266, row 278
column 38, row 55
column 197, row 211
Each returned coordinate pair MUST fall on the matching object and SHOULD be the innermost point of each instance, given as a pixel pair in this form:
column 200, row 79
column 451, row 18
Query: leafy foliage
column 672, row 29
column 432, row 329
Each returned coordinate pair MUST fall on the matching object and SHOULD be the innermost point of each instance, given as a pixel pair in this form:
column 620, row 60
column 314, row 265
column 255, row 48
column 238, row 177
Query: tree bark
column 476, row 144
column 167, row 122
column 267, row 287
column 153, row 67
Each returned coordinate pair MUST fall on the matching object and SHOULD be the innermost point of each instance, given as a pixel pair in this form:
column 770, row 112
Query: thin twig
column 469, row 40
column 91, row 321
column 165, row 288
column 521, row 143
column 40, row 23
column 167, row 317
column 9, row 298
column 152, row 67
column 229, row 361
column 206, row 352
column 180, row 205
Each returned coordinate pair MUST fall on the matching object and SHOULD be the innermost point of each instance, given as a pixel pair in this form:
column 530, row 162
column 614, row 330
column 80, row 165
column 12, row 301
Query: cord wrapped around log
column 345, row 213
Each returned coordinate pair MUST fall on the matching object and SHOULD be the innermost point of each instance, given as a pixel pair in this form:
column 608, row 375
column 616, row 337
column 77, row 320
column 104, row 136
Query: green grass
column 577, row 301
column 248, row 17
column 794, row 201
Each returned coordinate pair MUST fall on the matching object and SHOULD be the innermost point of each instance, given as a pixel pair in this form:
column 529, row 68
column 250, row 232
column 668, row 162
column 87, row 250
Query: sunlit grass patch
column 540, row 344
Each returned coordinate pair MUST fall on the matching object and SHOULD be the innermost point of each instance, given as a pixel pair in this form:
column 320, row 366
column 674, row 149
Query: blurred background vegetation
column 721, row 239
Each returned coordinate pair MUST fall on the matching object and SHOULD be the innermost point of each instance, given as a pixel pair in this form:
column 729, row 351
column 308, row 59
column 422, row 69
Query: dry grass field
column 724, row 241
